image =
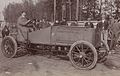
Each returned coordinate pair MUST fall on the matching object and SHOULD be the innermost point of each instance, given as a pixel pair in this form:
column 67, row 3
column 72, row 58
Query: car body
column 78, row 43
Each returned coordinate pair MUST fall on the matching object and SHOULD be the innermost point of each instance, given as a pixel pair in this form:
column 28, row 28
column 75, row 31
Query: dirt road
column 42, row 66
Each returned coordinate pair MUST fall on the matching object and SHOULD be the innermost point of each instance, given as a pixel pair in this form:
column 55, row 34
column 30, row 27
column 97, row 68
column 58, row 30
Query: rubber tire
column 15, row 46
column 94, row 51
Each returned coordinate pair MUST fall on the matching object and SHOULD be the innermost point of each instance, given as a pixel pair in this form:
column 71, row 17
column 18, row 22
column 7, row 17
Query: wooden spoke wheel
column 102, row 50
column 83, row 55
column 9, row 47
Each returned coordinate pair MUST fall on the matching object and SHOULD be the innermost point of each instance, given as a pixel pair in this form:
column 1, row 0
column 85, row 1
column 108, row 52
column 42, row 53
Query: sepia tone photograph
column 59, row 37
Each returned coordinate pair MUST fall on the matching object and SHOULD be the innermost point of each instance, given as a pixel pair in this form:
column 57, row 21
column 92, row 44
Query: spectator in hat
column 102, row 27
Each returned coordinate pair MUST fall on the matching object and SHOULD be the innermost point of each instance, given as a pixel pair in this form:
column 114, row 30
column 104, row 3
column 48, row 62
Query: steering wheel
column 32, row 23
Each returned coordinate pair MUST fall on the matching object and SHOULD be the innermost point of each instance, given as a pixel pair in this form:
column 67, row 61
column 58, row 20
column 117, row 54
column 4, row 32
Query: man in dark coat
column 102, row 30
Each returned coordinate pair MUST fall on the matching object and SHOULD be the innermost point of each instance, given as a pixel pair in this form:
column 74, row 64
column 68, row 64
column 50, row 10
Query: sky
column 4, row 3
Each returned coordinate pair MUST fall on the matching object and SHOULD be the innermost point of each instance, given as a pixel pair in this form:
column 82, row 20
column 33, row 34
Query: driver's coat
column 22, row 31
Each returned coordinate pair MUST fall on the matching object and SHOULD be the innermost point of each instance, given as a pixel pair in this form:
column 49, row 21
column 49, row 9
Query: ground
column 37, row 65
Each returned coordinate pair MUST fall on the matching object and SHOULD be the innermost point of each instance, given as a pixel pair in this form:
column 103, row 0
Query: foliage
column 11, row 12
column 45, row 9
column 90, row 9
column 42, row 9
column 117, row 3
column 117, row 12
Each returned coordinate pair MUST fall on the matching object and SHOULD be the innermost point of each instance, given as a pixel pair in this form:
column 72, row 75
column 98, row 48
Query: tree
column 90, row 9
column 117, row 12
column 45, row 9
column 11, row 12
column 42, row 9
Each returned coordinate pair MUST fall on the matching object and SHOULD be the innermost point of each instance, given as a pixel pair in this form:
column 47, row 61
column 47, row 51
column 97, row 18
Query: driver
column 21, row 25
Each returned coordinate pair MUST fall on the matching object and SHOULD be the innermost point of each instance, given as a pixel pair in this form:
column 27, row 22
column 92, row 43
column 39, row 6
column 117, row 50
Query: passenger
column 56, row 23
column 22, row 25
column 37, row 24
column 40, row 24
column 74, row 23
column 63, row 22
column 89, row 24
column 45, row 24
column 48, row 24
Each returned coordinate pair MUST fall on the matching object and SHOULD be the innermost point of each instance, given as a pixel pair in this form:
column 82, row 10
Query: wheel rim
column 8, row 47
column 82, row 56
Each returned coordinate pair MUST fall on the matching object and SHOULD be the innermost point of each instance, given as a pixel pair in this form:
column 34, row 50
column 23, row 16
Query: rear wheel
column 83, row 55
column 9, row 47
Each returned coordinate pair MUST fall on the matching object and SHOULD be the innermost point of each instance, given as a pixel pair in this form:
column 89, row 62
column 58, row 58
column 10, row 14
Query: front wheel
column 9, row 47
column 83, row 55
